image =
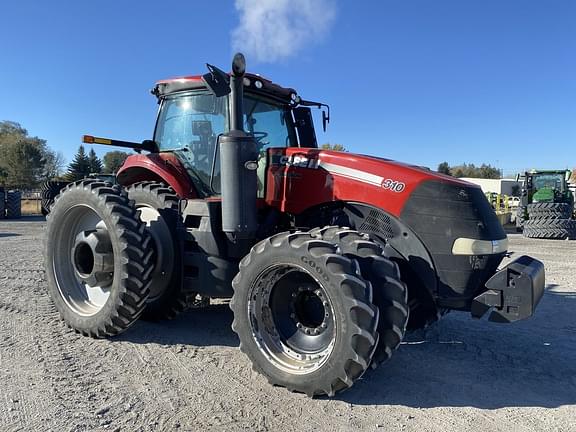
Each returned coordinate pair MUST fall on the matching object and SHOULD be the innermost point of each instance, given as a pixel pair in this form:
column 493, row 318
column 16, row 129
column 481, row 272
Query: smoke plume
column 273, row 30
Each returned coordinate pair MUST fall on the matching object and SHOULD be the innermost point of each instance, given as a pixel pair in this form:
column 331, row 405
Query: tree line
column 486, row 171
column 27, row 161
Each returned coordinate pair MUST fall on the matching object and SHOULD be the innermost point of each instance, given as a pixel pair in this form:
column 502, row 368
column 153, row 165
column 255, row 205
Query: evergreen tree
column 95, row 162
column 80, row 166
column 444, row 168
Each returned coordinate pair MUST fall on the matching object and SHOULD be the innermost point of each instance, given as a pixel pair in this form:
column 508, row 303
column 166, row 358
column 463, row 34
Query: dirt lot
column 189, row 374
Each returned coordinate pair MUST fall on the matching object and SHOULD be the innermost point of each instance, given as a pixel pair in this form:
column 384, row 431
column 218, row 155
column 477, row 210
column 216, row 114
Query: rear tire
column 304, row 314
column 390, row 294
column 98, row 258
column 157, row 206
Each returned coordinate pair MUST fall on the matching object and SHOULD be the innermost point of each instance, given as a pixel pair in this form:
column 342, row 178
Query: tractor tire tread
column 134, row 244
column 390, row 294
column 355, row 355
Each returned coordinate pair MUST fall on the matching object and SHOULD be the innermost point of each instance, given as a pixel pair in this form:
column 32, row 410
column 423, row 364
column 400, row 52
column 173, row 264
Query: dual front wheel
column 315, row 310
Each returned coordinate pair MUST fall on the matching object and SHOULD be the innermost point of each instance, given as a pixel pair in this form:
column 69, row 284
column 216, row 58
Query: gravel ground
column 188, row 374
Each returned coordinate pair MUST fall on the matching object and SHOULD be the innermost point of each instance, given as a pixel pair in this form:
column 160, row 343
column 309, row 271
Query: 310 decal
column 393, row 185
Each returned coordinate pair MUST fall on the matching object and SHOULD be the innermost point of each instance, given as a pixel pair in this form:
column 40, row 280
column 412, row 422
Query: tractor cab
column 192, row 117
column 549, row 186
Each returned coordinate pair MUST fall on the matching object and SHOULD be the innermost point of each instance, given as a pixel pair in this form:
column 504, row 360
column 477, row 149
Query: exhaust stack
column 238, row 164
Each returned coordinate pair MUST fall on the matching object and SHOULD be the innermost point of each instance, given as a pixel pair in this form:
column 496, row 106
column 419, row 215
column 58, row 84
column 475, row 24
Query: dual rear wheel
column 111, row 256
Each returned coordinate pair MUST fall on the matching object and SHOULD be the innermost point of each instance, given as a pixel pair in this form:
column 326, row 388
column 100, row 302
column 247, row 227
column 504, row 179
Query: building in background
column 499, row 186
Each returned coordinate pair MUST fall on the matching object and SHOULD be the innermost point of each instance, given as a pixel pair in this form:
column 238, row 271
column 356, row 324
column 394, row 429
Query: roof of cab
column 180, row 84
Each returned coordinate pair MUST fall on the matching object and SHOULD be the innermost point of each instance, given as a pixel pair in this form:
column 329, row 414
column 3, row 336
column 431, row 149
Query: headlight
column 466, row 246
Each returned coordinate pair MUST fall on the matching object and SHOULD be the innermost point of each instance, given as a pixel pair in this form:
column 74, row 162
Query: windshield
column 550, row 181
column 190, row 119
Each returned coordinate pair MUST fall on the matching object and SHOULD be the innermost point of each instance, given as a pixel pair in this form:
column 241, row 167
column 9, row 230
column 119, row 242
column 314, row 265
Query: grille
column 378, row 222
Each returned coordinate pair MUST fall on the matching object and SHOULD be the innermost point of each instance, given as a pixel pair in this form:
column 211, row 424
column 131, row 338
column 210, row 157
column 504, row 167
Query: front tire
column 98, row 258
column 304, row 314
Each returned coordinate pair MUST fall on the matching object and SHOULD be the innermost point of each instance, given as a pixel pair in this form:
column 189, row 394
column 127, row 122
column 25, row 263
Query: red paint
column 157, row 167
column 294, row 189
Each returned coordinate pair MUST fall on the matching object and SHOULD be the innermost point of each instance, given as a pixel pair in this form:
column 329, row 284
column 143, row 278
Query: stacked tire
column 2, row 203
column 13, row 204
column 49, row 191
column 549, row 220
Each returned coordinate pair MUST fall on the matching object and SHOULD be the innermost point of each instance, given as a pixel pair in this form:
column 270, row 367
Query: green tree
column 94, row 162
column 471, row 170
column 23, row 158
column 80, row 166
column 335, row 147
column 113, row 161
column 444, row 168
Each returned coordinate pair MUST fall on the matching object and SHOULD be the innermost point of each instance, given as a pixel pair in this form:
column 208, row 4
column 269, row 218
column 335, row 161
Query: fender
column 163, row 167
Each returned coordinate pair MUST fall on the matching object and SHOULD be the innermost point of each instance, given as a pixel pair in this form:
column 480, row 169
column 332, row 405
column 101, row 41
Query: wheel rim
column 163, row 247
column 292, row 319
column 83, row 264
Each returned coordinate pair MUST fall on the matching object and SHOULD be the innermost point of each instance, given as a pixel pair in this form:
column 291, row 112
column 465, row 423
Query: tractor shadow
column 207, row 326
column 4, row 235
column 25, row 219
column 461, row 362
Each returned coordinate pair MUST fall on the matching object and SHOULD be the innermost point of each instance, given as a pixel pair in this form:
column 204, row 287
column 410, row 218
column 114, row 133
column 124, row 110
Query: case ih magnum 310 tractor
column 328, row 257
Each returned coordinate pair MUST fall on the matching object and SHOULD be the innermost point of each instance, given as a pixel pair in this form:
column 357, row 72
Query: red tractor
column 328, row 257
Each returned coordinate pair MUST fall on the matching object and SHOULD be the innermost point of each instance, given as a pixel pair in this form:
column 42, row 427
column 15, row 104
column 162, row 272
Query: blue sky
column 415, row 80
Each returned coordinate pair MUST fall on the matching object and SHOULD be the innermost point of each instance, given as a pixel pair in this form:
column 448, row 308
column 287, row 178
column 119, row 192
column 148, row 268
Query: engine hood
column 303, row 177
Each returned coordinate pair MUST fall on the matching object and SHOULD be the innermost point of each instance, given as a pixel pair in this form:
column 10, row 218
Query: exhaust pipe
column 238, row 165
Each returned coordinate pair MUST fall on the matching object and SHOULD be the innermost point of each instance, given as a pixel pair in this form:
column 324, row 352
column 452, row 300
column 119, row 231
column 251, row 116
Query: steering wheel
column 259, row 136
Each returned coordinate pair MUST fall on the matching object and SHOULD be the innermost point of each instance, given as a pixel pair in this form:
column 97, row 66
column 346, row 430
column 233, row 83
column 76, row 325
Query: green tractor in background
column 546, row 208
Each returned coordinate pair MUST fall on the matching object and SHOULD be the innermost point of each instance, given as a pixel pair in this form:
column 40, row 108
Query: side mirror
column 325, row 118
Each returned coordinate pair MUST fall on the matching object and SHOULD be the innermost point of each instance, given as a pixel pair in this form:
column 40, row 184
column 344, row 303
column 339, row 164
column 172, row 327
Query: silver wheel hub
column 93, row 258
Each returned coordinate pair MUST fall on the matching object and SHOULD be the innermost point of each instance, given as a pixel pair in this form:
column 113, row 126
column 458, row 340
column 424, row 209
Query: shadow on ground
column 33, row 218
column 8, row 235
column 463, row 362
column 459, row 362
column 209, row 326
